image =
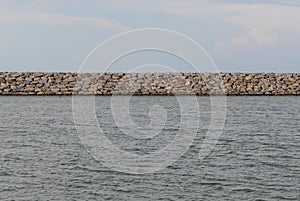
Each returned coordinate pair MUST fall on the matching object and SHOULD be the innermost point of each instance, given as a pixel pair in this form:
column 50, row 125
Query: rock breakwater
column 42, row 83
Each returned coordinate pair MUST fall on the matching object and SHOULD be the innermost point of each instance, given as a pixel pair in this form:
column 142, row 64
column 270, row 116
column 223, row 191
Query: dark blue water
column 256, row 158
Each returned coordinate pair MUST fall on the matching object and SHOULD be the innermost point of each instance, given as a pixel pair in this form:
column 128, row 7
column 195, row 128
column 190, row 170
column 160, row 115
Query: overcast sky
column 240, row 35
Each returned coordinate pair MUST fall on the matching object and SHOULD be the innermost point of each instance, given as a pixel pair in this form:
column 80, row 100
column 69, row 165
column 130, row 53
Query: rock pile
column 41, row 83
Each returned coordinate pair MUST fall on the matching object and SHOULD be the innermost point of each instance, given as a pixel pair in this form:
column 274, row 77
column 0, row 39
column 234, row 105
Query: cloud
column 262, row 22
column 240, row 40
column 57, row 19
column 273, row 2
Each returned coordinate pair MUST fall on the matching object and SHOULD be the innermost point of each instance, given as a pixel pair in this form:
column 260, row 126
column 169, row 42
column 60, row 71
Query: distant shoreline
column 157, row 84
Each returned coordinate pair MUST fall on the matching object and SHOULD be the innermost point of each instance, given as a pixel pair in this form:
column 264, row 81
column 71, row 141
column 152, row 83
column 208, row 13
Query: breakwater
column 42, row 83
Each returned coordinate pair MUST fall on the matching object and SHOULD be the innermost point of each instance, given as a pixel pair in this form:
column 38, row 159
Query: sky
column 239, row 35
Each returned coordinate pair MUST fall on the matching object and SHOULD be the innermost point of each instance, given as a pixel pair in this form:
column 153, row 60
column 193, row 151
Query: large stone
column 150, row 83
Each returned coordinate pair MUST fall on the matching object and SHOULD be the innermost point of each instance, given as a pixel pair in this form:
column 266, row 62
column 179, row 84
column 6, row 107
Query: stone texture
column 41, row 83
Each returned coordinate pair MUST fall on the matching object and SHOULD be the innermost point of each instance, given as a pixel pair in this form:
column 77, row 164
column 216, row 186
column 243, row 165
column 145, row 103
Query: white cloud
column 174, row 7
column 58, row 19
column 240, row 40
column 261, row 22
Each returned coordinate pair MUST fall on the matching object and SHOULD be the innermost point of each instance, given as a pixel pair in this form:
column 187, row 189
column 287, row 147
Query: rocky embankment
column 36, row 83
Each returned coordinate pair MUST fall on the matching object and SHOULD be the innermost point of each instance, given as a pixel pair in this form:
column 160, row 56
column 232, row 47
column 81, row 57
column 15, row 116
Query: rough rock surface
column 41, row 83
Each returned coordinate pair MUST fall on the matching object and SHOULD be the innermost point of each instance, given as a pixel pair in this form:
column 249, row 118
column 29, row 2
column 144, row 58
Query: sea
column 256, row 156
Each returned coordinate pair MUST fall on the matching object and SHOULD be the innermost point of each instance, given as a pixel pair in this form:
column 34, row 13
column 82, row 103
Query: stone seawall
column 39, row 83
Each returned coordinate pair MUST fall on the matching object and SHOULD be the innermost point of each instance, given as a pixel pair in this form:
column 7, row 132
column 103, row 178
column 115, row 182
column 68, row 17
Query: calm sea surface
column 256, row 158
